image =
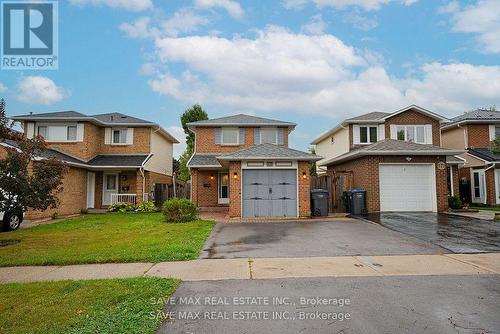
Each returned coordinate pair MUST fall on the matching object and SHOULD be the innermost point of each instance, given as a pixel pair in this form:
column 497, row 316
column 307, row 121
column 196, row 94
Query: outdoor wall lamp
column 212, row 176
column 235, row 175
column 304, row 175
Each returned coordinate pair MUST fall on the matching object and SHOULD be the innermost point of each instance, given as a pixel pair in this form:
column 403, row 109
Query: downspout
column 141, row 169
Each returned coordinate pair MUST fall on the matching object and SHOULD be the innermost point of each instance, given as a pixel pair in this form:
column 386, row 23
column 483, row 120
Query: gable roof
column 269, row 151
column 484, row 154
column 392, row 147
column 475, row 116
column 107, row 119
column 240, row 120
column 200, row 160
column 375, row 117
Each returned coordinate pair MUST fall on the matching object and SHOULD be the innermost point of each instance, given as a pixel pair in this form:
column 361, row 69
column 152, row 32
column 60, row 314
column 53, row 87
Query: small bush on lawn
column 56, row 215
column 455, row 203
column 179, row 210
column 147, row 206
column 121, row 207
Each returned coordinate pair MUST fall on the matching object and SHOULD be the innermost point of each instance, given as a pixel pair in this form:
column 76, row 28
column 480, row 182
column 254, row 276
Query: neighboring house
column 474, row 131
column 243, row 164
column 112, row 157
column 396, row 157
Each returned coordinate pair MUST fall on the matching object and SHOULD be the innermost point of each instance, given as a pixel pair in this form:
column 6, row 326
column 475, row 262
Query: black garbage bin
column 319, row 202
column 355, row 201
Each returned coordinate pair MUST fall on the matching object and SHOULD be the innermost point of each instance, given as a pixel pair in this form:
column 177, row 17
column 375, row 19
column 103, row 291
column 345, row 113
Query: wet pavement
column 313, row 238
column 457, row 234
column 424, row 304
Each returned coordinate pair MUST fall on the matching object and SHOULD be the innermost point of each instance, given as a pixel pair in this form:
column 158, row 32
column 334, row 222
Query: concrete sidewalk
column 268, row 268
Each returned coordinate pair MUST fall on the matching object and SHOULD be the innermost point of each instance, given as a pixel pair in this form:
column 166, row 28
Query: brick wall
column 235, row 189
column 205, row 141
column 490, row 187
column 304, row 189
column 365, row 173
column 141, row 145
column 456, row 180
column 478, row 135
column 413, row 117
column 73, row 198
column 204, row 188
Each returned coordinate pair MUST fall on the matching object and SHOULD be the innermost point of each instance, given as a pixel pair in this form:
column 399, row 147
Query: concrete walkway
column 268, row 268
column 481, row 214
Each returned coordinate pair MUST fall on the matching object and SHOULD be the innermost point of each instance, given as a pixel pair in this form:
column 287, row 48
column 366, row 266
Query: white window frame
column 368, row 134
column 276, row 133
column 121, row 130
column 482, row 186
column 67, row 132
column 63, row 129
column 415, row 131
column 237, row 130
column 46, row 131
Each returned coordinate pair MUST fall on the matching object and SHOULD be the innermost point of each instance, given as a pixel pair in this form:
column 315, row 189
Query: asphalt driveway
column 405, row 304
column 317, row 238
column 457, row 234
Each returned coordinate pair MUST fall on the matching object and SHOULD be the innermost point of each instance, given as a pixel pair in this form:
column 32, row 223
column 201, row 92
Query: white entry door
column 407, row 187
column 223, row 188
column 478, row 184
column 109, row 186
column 90, row 190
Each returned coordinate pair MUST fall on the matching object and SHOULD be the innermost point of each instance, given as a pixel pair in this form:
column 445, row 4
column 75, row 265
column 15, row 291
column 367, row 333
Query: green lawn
column 78, row 307
column 488, row 208
column 101, row 238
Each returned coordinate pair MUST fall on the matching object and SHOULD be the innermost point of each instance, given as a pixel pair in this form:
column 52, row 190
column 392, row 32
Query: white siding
column 162, row 149
column 340, row 145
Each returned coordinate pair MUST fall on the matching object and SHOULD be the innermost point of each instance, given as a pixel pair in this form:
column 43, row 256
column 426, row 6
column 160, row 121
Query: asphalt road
column 317, row 238
column 409, row 304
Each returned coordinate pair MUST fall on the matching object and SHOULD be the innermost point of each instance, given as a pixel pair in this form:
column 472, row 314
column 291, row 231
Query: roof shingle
column 269, row 151
column 241, row 120
column 203, row 160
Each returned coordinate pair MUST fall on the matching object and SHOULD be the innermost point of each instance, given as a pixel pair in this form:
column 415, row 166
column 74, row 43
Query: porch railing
column 123, row 198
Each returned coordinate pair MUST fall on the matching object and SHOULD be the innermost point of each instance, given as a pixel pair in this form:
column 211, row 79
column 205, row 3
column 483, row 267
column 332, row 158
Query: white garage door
column 407, row 187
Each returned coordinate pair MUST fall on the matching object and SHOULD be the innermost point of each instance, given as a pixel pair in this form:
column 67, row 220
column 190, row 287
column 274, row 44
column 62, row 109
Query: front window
column 120, row 136
column 497, row 131
column 477, row 187
column 411, row 133
column 230, row 136
column 42, row 131
column 71, row 133
column 269, row 136
column 368, row 134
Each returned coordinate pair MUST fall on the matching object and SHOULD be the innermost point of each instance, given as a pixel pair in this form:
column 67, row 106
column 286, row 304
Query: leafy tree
column 25, row 179
column 495, row 146
column 313, row 170
column 193, row 114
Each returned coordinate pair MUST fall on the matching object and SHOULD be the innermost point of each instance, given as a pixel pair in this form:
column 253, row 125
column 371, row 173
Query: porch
column 210, row 189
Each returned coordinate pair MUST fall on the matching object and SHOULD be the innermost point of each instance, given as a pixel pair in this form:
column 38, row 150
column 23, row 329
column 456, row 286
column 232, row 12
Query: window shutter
column 107, row 136
column 394, row 131
column 281, row 136
column 30, row 130
column 242, row 136
column 428, row 134
column 257, row 136
column 218, row 136
column 130, row 136
column 381, row 132
column 355, row 134
column 79, row 131
column 492, row 132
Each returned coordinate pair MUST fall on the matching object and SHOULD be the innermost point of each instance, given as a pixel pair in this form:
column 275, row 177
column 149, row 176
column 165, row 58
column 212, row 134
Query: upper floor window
column 230, row 136
column 368, row 134
column 119, row 136
column 411, row 133
column 59, row 133
column 497, row 131
column 269, row 136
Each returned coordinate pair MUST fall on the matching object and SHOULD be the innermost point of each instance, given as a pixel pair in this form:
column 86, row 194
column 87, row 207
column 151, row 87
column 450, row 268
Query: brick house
column 474, row 131
column 242, row 164
column 396, row 157
column 111, row 157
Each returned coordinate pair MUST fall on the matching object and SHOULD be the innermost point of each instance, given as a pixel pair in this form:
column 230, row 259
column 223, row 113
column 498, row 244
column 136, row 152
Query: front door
column 90, row 190
column 478, row 186
column 223, row 188
column 109, row 186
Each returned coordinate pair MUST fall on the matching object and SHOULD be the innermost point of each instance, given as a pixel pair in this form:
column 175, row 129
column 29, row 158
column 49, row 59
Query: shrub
column 84, row 211
column 455, row 202
column 179, row 210
column 56, row 215
column 121, row 207
column 147, row 206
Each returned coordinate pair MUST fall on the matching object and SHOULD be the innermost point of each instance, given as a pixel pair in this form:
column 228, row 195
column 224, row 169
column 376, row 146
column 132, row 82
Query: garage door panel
column 269, row 192
column 407, row 187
